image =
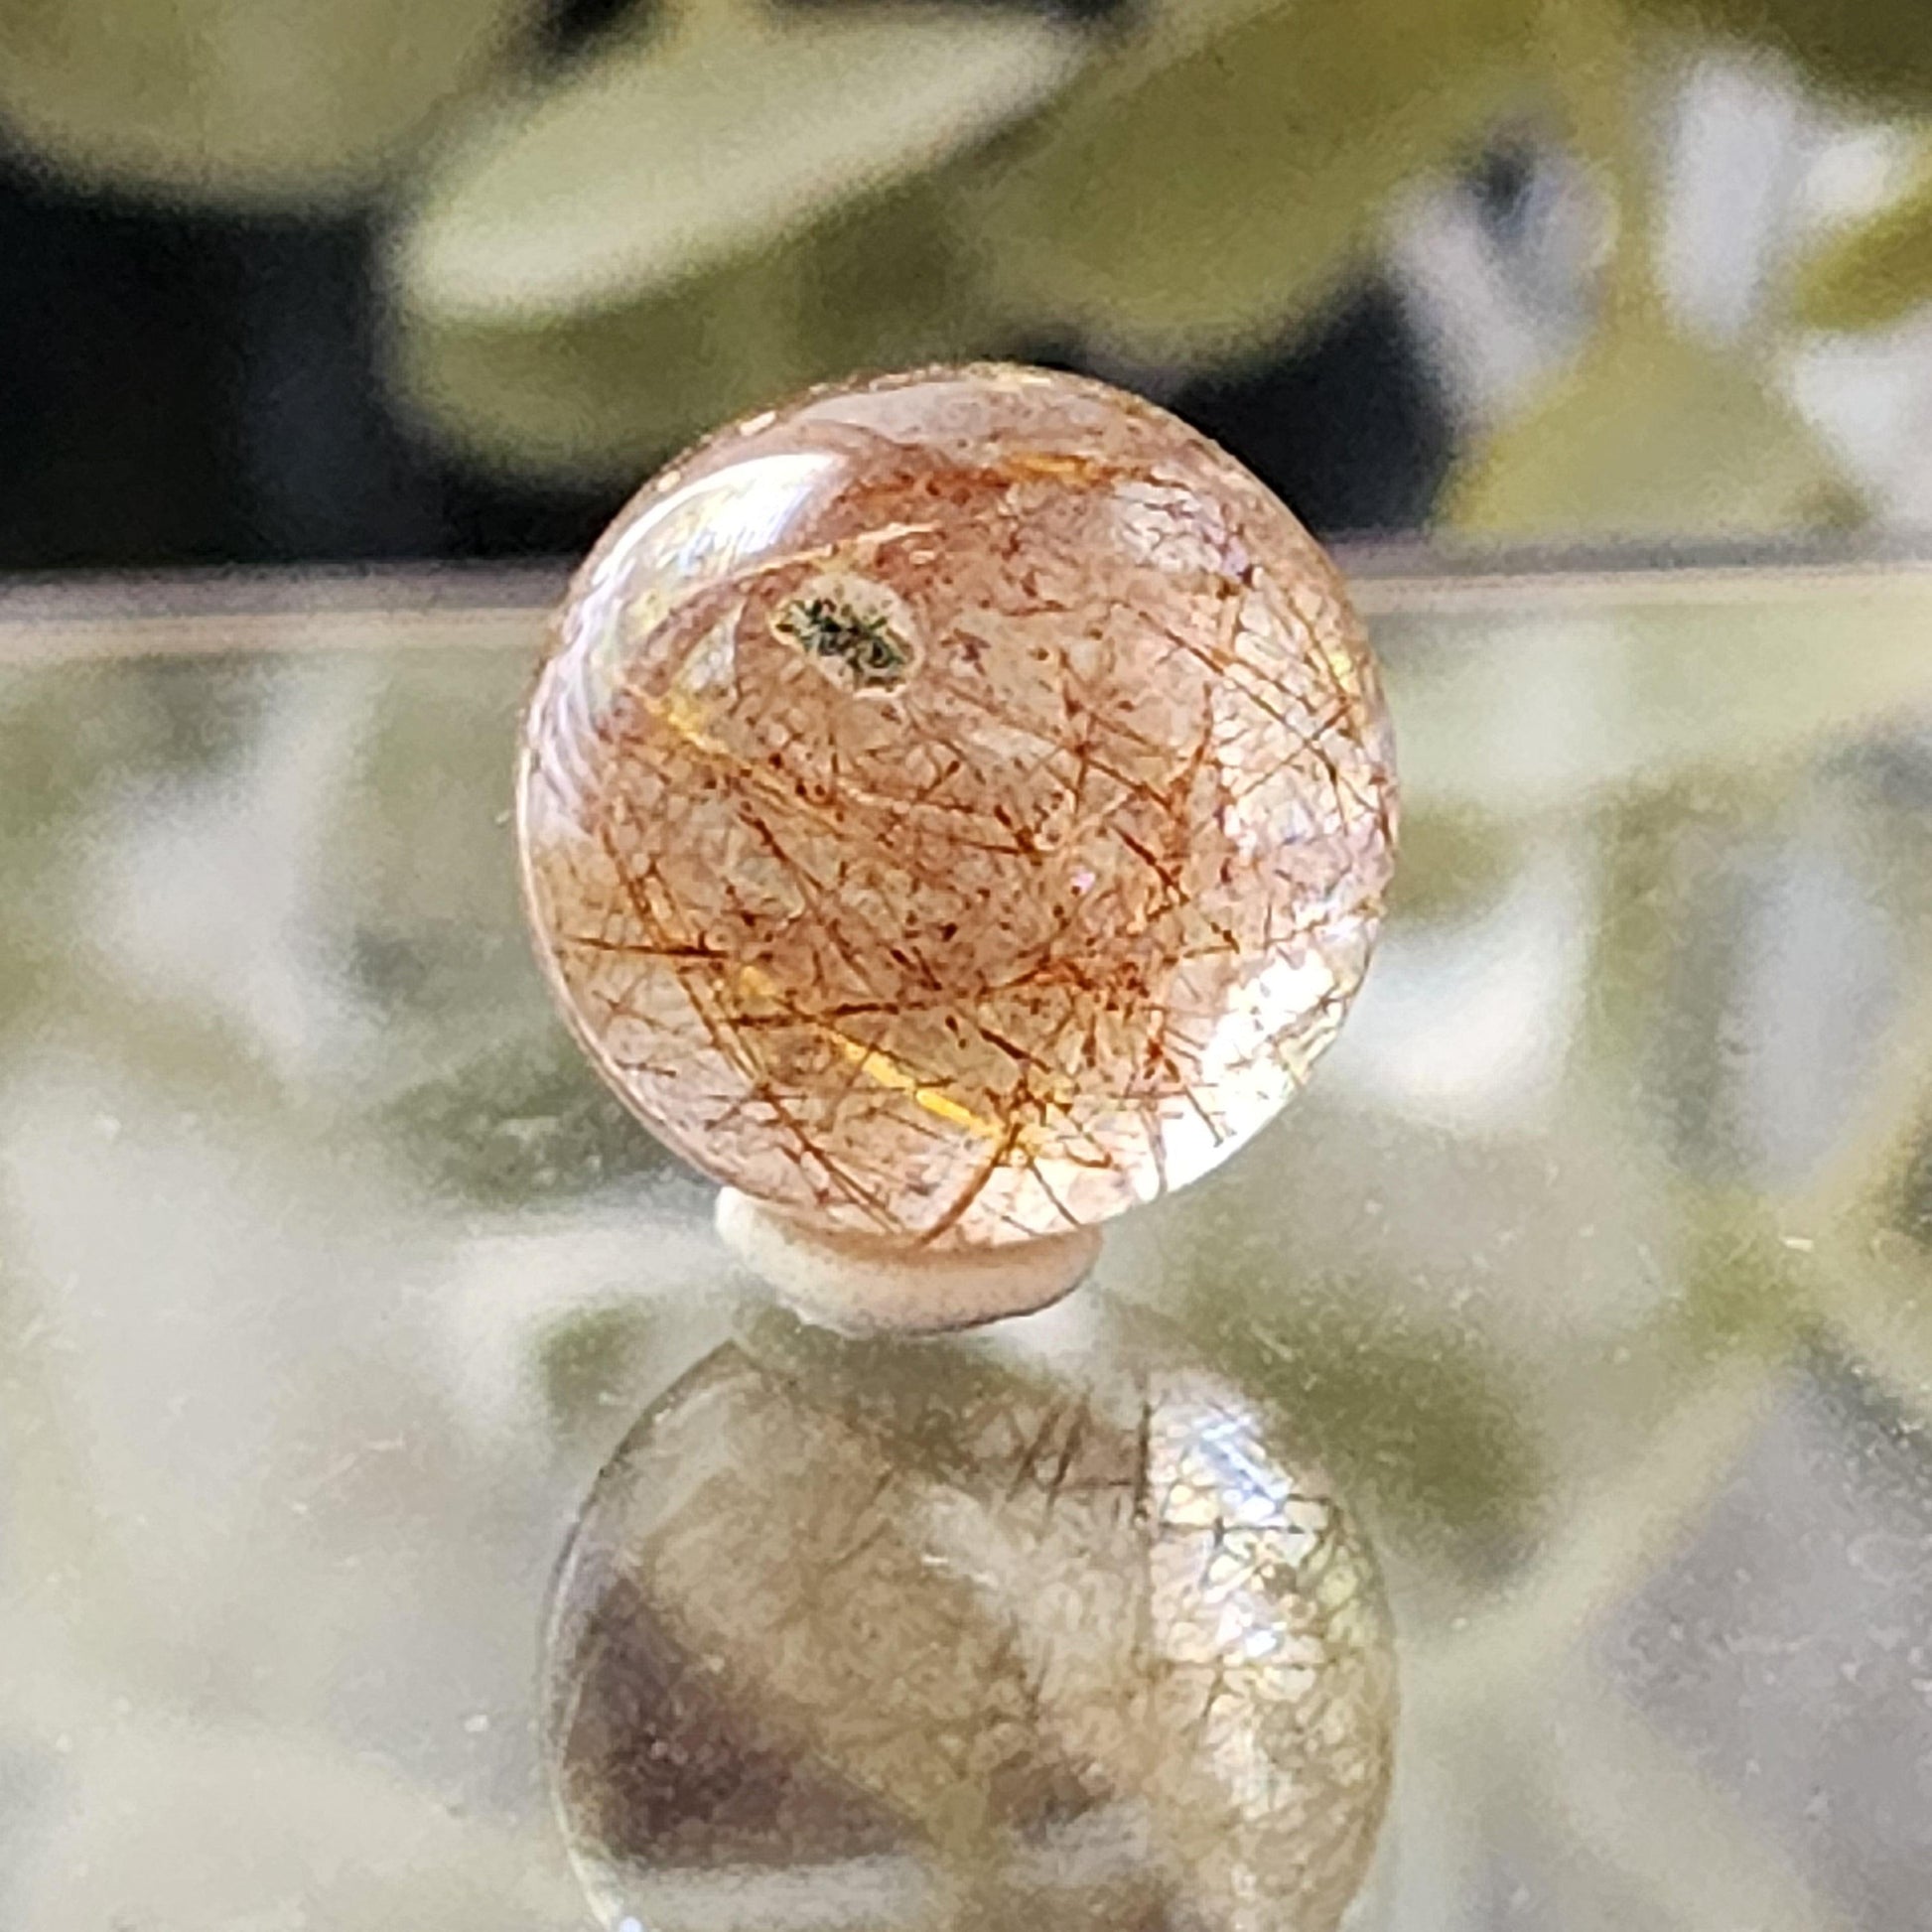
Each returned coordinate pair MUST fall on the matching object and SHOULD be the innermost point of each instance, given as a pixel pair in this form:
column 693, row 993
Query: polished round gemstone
column 957, row 806
column 886, row 1637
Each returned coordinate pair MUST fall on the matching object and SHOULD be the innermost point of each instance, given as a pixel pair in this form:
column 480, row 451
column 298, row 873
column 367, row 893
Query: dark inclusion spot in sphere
column 863, row 641
column 890, row 1638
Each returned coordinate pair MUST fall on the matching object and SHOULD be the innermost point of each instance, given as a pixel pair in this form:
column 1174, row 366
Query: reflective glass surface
column 1595, row 1262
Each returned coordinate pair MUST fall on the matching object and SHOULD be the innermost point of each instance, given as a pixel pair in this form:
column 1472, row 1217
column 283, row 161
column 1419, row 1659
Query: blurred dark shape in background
column 193, row 388
column 199, row 388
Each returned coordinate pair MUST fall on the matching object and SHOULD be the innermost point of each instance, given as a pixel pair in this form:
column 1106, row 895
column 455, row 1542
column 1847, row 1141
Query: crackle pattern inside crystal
column 888, row 1650
column 957, row 806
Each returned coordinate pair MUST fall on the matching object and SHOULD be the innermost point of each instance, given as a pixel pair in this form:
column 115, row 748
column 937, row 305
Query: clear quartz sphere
column 895, row 1637
column 958, row 806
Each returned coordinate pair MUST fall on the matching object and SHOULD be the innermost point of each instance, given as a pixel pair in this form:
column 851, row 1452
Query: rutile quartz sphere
column 957, row 806
column 905, row 1636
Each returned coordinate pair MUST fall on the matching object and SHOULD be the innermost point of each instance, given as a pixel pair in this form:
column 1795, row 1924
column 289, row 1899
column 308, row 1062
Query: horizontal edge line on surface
column 482, row 606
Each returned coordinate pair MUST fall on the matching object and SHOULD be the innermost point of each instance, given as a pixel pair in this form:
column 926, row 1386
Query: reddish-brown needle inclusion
column 957, row 806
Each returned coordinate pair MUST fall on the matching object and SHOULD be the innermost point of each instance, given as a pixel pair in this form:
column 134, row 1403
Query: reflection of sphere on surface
column 903, row 1639
column 957, row 806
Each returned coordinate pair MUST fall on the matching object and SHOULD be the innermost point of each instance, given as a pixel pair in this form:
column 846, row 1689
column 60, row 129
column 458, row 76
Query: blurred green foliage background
column 453, row 277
